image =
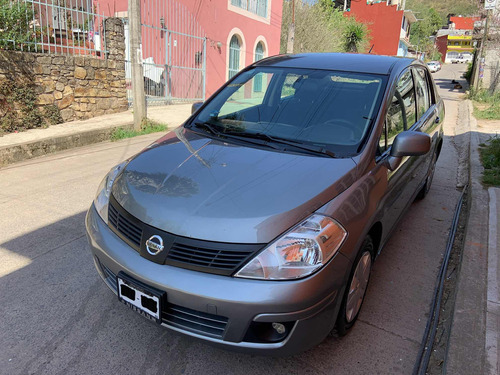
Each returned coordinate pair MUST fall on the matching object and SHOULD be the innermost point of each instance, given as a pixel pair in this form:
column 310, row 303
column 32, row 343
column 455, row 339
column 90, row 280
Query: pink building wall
column 220, row 21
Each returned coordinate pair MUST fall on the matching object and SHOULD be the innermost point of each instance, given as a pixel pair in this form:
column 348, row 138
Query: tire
column 356, row 288
column 428, row 181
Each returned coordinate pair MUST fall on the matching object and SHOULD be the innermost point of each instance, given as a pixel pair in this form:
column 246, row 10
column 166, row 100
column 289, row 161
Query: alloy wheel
column 358, row 286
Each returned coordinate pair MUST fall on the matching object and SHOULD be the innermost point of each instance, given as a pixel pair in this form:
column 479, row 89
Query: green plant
column 20, row 109
column 15, row 20
column 486, row 105
column 435, row 55
column 490, row 158
column 320, row 27
column 52, row 114
column 148, row 126
column 26, row 96
column 468, row 73
column 353, row 35
column 8, row 123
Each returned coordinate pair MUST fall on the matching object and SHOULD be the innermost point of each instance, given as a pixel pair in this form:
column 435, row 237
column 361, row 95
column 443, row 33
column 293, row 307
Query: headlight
column 102, row 198
column 298, row 253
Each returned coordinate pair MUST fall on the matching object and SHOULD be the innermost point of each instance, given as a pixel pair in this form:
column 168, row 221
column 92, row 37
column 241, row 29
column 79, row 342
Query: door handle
column 437, row 120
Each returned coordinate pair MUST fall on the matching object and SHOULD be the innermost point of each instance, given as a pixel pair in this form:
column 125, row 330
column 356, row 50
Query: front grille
column 194, row 321
column 125, row 227
column 181, row 317
column 212, row 258
column 198, row 255
column 110, row 277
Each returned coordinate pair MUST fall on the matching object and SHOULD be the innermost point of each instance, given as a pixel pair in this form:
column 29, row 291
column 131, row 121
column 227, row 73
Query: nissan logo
column 154, row 245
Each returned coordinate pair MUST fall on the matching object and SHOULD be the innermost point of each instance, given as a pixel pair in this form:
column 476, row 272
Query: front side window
column 401, row 112
column 423, row 96
column 406, row 91
column 329, row 109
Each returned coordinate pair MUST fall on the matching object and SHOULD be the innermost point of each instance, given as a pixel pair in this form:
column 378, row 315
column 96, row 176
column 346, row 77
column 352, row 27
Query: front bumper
column 309, row 306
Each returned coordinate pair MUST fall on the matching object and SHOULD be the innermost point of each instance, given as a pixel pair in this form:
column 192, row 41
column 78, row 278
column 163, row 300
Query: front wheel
column 356, row 289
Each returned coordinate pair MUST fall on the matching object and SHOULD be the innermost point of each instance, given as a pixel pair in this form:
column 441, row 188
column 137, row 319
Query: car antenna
column 373, row 45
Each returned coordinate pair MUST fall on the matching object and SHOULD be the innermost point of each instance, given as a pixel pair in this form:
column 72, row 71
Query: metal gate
column 173, row 54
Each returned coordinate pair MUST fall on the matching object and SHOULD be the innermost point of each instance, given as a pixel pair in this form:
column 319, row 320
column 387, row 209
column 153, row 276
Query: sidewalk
column 21, row 146
column 474, row 341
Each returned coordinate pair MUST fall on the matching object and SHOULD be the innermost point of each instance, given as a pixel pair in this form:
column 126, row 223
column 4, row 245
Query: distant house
column 456, row 40
column 388, row 23
column 178, row 63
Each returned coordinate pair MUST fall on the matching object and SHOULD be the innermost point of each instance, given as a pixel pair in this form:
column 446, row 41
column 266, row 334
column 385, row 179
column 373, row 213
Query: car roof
column 350, row 62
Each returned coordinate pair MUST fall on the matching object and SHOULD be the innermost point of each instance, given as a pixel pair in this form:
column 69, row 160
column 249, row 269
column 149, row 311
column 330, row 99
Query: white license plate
column 143, row 300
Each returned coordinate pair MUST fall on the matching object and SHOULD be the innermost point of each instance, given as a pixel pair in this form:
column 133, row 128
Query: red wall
column 384, row 23
column 442, row 45
column 217, row 22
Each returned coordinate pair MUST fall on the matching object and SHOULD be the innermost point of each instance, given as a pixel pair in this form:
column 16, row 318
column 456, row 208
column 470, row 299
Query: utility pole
column 138, row 96
column 291, row 31
column 480, row 55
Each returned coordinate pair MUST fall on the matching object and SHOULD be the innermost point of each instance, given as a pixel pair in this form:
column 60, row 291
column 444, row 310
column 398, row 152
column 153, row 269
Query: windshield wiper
column 211, row 129
column 208, row 127
column 289, row 142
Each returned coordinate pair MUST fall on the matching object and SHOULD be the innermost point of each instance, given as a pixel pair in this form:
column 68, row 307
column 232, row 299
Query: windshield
column 328, row 109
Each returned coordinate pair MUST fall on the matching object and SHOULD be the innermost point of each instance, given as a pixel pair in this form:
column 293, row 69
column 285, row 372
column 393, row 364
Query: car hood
column 205, row 188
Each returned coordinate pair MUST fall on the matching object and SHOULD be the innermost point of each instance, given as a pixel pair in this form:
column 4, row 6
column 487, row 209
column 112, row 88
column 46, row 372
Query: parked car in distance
column 254, row 226
column 433, row 67
column 458, row 59
column 438, row 63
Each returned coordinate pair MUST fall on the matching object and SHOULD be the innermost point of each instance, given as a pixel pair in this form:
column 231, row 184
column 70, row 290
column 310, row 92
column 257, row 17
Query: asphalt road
column 58, row 317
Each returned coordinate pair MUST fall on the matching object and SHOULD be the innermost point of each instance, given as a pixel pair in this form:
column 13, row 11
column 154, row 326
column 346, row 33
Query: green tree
column 353, row 36
column 15, row 20
column 320, row 27
column 430, row 21
column 445, row 7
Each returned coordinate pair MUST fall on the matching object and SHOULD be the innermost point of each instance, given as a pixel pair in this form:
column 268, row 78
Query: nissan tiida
column 255, row 224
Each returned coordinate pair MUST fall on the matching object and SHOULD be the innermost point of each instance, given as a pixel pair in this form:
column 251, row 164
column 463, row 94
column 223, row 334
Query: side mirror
column 407, row 143
column 411, row 143
column 196, row 106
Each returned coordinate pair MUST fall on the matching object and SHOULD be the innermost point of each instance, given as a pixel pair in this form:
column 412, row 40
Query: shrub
column 15, row 20
column 19, row 109
column 490, row 158
column 52, row 114
column 468, row 73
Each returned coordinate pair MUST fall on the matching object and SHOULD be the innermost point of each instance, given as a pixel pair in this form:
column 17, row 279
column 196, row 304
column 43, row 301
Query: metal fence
column 173, row 53
column 71, row 27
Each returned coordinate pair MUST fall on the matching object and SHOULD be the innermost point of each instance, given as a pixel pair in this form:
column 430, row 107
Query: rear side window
column 401, row 114
column 423, row 94
column 406, row 91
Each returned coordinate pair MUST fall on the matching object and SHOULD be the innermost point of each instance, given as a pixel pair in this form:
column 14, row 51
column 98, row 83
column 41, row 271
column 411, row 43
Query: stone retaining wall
column 81, row 87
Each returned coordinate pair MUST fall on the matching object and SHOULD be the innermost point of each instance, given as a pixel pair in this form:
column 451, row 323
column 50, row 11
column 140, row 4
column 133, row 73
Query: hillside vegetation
column 321, row 28
column 445, row 7
column 432, row 15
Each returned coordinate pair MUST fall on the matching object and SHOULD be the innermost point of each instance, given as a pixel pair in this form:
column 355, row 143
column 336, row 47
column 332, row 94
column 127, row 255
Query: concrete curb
column 466, row 352
column 31, row 149
column 493, row 303
column 16, row 147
